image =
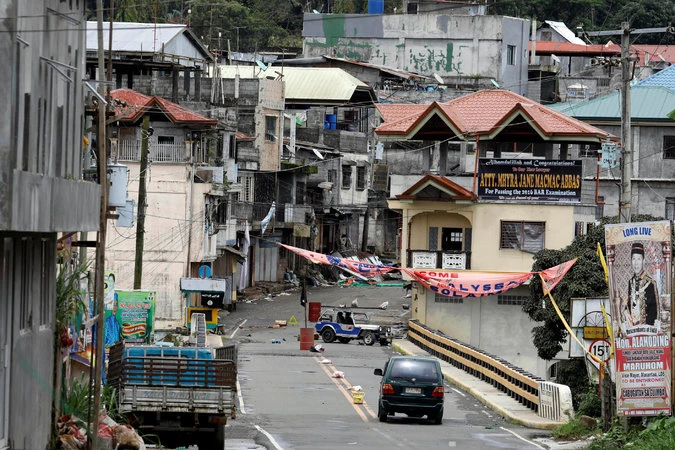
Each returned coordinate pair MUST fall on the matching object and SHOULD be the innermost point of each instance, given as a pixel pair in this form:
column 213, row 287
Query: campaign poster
column 136, row 315
column 639, row 262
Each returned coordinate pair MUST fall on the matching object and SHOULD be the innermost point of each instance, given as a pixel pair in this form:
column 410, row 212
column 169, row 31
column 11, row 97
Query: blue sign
column 204, row 271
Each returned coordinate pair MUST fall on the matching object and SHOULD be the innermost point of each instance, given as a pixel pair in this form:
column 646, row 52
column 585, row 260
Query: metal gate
column 267, row 260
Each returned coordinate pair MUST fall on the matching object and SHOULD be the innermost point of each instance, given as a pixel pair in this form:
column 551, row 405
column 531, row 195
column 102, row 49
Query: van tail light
column 387, row 389
column 438, row 392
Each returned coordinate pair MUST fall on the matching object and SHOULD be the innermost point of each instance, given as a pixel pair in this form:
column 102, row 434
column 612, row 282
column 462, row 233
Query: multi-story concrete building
column 41, row 195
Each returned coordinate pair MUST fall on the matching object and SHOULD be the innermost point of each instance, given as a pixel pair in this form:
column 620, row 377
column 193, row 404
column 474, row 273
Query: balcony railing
column 284, row 213
column 430, row 259
column 161, row 153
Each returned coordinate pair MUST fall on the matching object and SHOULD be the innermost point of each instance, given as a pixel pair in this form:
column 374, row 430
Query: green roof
column 648, row 103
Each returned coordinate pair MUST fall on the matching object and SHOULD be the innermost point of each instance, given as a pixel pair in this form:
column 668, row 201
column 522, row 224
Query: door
column 451, row 239
column 5, row 344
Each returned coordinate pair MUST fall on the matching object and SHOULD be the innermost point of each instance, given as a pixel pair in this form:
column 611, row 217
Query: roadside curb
column 513, row 416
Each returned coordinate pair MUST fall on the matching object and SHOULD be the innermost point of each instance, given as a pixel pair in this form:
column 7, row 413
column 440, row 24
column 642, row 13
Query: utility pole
column 626, row 134
column 95, row 405
column 142, row 202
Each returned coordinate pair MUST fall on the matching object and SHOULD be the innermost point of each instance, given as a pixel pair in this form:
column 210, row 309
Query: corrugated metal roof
column 647, row 103
column 389, row 70
column 134, row 37
column 565, row 32
column 664, row 78
column 311, row 84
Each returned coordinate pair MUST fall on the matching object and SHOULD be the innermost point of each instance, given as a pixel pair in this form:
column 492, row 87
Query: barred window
column 669, row 147
column 524, row 236
column 360, row 178
column 670, row 208
column 510, row 299
column 270, row 129
column 346, row 177
column 438, row 298
column 511, row 55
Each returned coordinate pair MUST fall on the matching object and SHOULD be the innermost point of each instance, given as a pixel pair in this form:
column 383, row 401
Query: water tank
column 375, row 6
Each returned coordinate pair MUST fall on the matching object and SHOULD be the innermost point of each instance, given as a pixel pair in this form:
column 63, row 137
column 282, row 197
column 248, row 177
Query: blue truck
column 180, row 394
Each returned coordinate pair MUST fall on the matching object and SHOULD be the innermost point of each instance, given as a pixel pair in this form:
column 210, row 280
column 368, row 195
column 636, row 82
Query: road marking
column 237, row 328
column 241, row 397
column 269, row 436
column 485, row 412
column 522, row 438
column 452, row 444
column 343, row 386
column 459, row 392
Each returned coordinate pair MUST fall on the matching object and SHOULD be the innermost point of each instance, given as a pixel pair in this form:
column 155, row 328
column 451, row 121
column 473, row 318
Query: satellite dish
column 260, row 64
column 494, row 83
column 438, row 78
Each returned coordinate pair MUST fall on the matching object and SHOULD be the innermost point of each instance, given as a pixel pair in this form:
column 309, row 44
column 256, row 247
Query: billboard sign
column 529, row 180
column 638, row 259
column 136, row 315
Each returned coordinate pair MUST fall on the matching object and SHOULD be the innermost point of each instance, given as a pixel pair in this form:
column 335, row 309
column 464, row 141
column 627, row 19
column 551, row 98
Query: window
column 510, row 300
column 433, row 238
column 670, row 208
column 669, row 147
column 346, row 177
column 578, row 229
column 600, row 207
column 246, row 194
column 360, row 178
column 165, row 139
column 332, row 175
column 511, row 55
column 589, row 150
column 270, row 129
column 524, row 236
column 438, row 298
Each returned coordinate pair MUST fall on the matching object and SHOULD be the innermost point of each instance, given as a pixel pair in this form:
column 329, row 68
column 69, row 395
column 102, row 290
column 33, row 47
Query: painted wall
column 168, row 229
column 459, row 47
column 504, row 330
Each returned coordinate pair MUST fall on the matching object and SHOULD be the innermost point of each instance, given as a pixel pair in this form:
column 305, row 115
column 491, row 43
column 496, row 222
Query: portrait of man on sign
column 641, row 304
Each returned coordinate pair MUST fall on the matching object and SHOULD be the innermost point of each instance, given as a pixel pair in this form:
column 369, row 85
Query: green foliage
column 595, row 15
column 585, row 279
column 75, row 400
column 572, row 430
column 590, row 403
column 70, row 299
column 615, row 438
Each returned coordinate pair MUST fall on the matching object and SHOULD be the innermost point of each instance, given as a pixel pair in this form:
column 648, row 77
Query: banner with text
column 639, row 262
column 529, row 179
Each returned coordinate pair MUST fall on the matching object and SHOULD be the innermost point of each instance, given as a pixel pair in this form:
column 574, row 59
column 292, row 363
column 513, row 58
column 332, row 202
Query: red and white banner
column 445, row 282
column 365, row 269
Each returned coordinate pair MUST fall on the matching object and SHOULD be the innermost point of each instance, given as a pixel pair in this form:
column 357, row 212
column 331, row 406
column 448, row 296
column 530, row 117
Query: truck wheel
column 328, row 335
column 382, row 414
column 384, row 342
column 213, row 441
column 369, row 338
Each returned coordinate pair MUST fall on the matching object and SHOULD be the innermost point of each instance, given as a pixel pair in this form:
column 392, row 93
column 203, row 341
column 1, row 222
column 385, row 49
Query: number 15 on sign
column 600, row 349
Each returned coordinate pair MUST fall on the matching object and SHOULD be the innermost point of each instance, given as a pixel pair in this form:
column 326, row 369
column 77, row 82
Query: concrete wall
column 169, row 227
column 504, row 330
column 457, row 47
column 41, row 194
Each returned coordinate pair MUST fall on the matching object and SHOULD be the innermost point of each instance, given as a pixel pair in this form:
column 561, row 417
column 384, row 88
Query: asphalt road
column 291, row 399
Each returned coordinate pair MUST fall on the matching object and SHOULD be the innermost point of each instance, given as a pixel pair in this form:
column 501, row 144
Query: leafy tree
column 646, row 14
column 585, row 279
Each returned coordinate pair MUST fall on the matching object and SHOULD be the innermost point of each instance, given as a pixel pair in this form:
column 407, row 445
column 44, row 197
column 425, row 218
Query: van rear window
column 407, row 369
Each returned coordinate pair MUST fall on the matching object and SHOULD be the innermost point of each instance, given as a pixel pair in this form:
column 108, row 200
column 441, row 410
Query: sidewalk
column 487, row 394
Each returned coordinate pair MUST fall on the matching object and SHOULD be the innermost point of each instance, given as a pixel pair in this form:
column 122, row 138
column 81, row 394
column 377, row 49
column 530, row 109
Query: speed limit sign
column 600, row 349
